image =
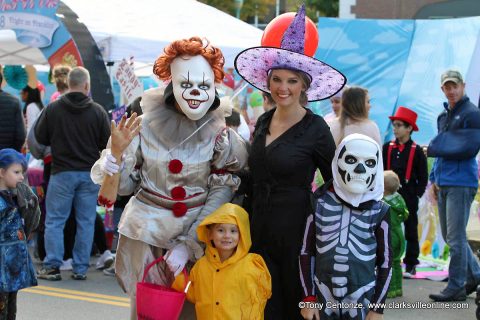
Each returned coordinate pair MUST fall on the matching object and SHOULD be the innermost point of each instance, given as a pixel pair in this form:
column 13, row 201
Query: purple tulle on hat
column 255, row 63
column 294, row 37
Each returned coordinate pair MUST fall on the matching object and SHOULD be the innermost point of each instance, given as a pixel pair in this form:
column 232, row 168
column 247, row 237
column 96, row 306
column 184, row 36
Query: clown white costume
column 179, row 166
column 348, row 236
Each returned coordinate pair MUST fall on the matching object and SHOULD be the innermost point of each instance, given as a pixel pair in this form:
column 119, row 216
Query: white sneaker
column 109, row 271
column 105, row 260
column 66, row 265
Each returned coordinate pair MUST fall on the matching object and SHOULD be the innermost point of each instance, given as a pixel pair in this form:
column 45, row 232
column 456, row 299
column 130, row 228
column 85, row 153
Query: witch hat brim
column 255, row 63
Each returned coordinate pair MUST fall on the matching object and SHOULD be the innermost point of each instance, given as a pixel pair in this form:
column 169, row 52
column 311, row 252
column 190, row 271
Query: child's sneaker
column 410, row 272
column 52, row 274
column 66, row 265
column 105, row 260
column 109, row 271
column 79, row 276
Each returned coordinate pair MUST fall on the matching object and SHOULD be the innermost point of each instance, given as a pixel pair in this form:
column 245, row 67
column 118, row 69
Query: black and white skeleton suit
column 346, row 257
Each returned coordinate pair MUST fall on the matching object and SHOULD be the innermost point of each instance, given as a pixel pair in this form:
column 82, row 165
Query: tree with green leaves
column 263, row 8
column 249, row 8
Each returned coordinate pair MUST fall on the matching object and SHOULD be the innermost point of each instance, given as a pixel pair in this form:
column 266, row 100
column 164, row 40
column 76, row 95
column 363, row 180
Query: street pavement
column 100, row 297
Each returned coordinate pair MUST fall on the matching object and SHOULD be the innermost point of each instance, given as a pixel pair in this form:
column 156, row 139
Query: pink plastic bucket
column 156, row 302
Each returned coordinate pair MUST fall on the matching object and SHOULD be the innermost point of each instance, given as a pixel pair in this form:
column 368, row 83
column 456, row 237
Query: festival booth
column 400, row 63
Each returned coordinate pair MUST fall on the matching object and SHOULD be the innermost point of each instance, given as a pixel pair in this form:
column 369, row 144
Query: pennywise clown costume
column 348, row 236
column 179, row 166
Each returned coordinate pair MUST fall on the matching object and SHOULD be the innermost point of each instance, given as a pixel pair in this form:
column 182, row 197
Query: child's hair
column 391, row 182
column 33, row 96
column 10, row 156
column 60, row 76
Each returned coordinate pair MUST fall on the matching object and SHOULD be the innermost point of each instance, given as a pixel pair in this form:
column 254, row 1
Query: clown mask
column 357, row 166
column 193, row 84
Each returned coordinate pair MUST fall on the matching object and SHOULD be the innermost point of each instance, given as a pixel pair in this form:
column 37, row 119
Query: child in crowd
column 228, row 282
column 408, row 161
column 345, row 259
column 19, row 216
column 398, row 214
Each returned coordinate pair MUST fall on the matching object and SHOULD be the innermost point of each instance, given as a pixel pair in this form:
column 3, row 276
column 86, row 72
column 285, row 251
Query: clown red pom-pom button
column 178, row 193
column 179, row 209
column 175, row 166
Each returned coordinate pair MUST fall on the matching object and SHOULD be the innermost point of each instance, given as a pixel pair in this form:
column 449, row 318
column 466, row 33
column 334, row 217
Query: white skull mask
column 193, row 84
column 357, row 165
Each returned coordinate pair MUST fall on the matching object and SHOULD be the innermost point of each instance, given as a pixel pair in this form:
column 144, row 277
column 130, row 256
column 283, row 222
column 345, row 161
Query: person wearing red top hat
column 408, row 161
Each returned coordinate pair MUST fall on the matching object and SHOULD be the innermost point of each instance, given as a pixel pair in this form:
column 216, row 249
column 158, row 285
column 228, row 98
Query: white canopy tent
column 142, row 29
column 13, row 52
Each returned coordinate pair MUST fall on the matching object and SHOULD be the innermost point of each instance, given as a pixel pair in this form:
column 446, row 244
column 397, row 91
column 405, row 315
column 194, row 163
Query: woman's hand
column 123, row 134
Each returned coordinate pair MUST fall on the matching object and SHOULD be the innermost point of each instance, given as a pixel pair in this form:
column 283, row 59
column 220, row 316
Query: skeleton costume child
column 179, row 166
column 348, row 238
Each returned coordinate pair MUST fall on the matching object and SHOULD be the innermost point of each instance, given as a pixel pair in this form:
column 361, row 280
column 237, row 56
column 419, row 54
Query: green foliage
column 316, row 8
column 262, row 8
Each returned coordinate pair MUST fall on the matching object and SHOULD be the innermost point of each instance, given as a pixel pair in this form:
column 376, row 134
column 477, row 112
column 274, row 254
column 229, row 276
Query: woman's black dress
column 280, row 200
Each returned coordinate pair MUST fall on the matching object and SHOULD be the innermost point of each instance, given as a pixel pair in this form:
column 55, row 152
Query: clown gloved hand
column 176, row 258
column 110, row 166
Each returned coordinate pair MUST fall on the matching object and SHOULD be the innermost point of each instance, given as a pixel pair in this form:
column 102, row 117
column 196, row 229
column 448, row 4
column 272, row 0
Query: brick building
column 408, row 9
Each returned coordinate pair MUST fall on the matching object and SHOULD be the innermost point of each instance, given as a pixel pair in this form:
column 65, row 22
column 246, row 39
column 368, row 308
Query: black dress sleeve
column 324, row 149
column 307, row 258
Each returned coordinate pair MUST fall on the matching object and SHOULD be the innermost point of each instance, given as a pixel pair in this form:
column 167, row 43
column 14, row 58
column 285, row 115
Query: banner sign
column 34, row 22
column 117, row 113
column 129, row 83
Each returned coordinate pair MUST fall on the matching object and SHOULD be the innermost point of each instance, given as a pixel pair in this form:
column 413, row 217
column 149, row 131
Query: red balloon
column 272, row 36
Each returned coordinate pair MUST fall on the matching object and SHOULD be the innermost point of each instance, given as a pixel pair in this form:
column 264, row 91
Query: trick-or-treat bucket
column 156, row 302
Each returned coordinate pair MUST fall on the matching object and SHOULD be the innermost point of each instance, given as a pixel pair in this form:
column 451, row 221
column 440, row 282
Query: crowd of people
column 175, row 164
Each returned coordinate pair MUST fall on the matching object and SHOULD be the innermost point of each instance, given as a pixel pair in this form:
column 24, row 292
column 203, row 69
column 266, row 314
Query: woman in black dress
column 289, row 144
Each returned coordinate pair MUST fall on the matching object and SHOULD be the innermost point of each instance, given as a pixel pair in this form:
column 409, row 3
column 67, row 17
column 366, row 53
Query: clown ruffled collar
column 172, row 127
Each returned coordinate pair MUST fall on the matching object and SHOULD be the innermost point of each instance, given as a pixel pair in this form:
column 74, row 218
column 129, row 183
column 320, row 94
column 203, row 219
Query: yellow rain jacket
column 236, row 289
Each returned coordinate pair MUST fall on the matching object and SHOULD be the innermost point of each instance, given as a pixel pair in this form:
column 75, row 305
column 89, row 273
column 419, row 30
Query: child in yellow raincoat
column 228, row 282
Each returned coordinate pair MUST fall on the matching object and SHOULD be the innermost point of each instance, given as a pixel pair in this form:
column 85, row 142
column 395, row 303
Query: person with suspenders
column 407, row 160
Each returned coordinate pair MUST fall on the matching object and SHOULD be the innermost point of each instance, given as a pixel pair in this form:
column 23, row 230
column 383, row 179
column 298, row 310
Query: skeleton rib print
column 346, row 248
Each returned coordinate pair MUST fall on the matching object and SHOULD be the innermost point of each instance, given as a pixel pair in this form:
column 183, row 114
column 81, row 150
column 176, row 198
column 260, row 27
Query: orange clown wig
column 189, row 47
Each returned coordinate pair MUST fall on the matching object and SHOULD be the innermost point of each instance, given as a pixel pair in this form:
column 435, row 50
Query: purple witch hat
column 254, row 64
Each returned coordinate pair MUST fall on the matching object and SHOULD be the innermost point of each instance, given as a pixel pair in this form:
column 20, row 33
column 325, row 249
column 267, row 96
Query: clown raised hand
column 121, row 137
column 123, row 134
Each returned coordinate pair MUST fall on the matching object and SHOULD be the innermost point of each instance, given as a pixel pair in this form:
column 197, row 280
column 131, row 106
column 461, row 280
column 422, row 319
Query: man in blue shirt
column 455, row 181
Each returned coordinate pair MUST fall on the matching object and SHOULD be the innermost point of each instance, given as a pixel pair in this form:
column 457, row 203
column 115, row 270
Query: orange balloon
column 272, row 36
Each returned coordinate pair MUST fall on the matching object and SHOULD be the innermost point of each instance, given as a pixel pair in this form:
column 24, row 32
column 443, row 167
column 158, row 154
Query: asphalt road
column 100, row 297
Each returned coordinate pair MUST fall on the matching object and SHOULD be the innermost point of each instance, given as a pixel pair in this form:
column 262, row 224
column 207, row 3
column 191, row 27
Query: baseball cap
column 451, row 75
